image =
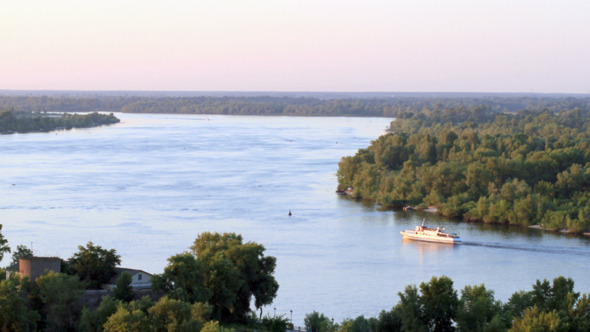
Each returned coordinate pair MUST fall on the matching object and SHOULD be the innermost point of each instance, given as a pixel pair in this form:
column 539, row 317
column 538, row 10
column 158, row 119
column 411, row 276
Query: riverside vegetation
column 26, row 122
column 216, row 281
column 531, row 167
column 211, row 288
column 293, row 104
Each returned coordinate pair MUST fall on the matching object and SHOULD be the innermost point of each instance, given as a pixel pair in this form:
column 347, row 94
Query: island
column 27, row 122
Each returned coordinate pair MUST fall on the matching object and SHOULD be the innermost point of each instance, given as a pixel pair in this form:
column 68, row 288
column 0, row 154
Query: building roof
column 120, row 270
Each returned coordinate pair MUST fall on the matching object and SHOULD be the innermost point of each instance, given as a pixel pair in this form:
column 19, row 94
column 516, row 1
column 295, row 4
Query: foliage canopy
column 94, row 265
column 527, row 168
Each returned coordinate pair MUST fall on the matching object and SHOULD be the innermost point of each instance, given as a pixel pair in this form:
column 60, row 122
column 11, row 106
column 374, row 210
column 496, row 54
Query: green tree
column 410, row 311
column 313, row 321
column 236, row 273
column 518, row 303
column 476, row 309
column 388, row 321
column 93, row 320
column 94, row 265
column 224, row 283
column 127, row 320
column 59, row 294
column 4, row 248
column 15, row 315
column 123, row 290
column 579, row 316
column 439, row 302
column 535, row 320
column 20, row 252
column 176, row 316
column 183, row 279
column 275, row 324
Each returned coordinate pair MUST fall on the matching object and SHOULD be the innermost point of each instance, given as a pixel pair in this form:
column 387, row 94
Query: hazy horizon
column 296, row 46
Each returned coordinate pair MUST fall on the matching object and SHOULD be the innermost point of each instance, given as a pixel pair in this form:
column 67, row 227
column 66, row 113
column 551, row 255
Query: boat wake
column 581, row 251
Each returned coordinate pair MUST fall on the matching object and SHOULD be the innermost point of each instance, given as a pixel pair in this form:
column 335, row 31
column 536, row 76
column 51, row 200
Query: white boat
column 424, row 233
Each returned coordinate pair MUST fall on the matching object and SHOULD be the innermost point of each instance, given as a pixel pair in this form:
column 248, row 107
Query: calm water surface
column 149, row 185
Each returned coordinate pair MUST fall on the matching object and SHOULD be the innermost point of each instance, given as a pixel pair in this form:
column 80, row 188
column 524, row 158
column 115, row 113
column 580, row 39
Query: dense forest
column 531, row 167
column 25, row 122
column 212, row 287
column 377, row 104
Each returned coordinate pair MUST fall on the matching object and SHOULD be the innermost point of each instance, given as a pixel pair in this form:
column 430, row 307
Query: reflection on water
column 427, row 249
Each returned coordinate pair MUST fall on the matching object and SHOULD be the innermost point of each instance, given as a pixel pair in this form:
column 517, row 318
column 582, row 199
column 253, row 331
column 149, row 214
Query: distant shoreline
column 347, row 104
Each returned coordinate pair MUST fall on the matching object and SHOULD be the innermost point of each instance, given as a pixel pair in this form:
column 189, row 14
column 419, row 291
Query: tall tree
column 439, row 301
column 410, row 311
column 123, row 290
column 236, row 273
column 476, row 309
column 94, row 265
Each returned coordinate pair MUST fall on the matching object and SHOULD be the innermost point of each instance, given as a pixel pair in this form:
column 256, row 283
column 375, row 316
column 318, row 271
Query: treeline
column 25, row 122
column 215, row 282
column 436, row 306
column 380, row 106
column 211, row 288
column 526, row 168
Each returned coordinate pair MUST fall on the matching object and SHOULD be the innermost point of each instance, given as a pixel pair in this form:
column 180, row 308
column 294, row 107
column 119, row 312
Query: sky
column 296, row 45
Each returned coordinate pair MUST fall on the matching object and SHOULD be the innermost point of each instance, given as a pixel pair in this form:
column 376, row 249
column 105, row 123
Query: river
column 149, row 185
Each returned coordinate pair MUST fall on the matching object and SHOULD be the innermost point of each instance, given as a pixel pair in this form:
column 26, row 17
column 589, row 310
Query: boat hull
column 410, row 235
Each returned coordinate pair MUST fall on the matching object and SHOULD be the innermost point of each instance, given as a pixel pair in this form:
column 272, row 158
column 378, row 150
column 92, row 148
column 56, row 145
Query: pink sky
column 296, row 45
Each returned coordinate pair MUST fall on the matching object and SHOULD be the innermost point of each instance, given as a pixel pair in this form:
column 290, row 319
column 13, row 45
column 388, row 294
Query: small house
column 139, row 278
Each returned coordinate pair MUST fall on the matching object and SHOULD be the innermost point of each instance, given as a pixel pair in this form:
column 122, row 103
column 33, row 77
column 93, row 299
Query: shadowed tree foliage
column 93, row 320
column 409, row 310
column 123, row 290
column 59, row 294
column 276, row 324
column 183, row 279
column 439, row 303
column 15, row 314
column 94, row 265
column 477, row 308
column 314, row 321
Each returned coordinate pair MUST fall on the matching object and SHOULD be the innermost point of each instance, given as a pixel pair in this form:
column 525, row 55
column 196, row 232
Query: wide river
column 149, row 185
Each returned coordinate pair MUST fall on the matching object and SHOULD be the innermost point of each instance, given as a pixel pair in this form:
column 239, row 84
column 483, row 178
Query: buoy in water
column 289, row 212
